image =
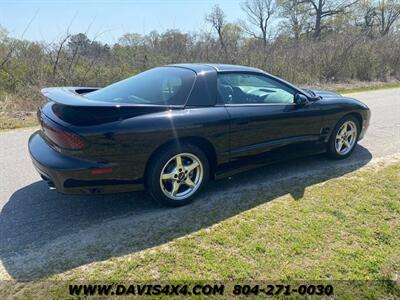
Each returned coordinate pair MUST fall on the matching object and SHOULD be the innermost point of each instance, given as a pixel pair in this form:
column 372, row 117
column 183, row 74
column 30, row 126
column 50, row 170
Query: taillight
column 62, row 138
column 101, row 171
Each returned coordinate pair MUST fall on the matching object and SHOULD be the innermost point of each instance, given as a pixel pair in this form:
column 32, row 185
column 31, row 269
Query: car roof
column 200, row 67
column 210, row 69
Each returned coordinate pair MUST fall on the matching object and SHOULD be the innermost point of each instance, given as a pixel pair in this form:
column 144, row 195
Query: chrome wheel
column 181, row 176
column 346, row 137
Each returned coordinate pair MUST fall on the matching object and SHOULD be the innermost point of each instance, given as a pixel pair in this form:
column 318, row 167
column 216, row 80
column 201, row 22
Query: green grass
column 19, row 120
column 347, row 228
column 372, row 87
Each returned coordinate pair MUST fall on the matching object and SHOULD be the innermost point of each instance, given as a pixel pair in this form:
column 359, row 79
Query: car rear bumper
column 71, row 175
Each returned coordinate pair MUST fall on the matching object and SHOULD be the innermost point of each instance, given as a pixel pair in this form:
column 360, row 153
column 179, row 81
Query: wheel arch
column 358, row 117
column 354, row 114
column 201, row 142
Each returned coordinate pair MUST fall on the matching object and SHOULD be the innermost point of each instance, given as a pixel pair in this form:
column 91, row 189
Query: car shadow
column 43, row 233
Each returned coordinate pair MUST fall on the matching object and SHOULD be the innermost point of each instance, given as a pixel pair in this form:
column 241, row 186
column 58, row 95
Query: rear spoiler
column 73, row 108
column 73, row 96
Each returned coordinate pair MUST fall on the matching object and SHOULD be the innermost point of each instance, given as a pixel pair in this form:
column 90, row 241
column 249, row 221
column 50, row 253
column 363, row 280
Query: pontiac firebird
column 171, row 129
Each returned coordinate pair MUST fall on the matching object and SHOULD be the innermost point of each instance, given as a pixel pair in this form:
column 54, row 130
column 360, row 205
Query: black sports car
column 173, row 128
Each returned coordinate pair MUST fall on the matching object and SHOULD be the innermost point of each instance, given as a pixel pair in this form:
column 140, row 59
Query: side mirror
column 300, row 99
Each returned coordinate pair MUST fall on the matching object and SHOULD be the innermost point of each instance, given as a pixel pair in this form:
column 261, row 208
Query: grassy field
column 16, row 114
column 366, row 88
column 347, row 228
column 17, row 120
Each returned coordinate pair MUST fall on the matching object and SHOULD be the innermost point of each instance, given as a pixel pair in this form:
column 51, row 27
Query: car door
column 265, row 122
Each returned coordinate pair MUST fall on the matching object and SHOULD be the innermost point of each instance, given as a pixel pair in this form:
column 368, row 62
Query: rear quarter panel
column 129, row 143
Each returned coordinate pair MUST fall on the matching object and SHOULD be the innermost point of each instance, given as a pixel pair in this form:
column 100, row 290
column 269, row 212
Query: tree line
column 303, row 41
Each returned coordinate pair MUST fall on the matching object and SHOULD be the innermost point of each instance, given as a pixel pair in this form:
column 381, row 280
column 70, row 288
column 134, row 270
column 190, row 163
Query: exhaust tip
column 50, row 183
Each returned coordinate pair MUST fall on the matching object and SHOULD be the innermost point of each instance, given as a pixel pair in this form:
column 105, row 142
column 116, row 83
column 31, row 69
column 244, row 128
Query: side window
column 242, row 88
column 170, row 86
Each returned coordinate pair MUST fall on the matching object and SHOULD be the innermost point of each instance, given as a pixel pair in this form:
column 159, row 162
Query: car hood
column 325, row 94
column 335, row 98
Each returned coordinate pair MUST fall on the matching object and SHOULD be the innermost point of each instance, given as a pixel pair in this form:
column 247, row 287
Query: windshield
column 159, row 86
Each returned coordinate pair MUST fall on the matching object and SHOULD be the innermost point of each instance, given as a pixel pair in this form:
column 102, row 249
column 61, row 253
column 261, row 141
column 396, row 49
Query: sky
column 107, row 20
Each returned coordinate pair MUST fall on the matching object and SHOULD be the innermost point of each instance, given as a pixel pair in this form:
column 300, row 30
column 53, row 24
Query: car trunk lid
column 70, row 107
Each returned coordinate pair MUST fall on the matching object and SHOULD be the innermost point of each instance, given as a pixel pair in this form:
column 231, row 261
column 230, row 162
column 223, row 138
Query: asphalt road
column 44, row 233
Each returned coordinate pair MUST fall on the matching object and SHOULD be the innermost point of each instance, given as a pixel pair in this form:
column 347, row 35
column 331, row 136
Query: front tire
column 344, row 138
column 176, row 175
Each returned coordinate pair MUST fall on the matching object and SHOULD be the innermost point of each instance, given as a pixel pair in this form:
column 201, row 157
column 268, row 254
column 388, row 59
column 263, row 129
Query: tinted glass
column 160, row 86
column 204, row 92
column 241, row 88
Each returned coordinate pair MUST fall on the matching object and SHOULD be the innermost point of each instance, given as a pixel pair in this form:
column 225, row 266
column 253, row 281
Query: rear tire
column 176, row 175
column 344, row 138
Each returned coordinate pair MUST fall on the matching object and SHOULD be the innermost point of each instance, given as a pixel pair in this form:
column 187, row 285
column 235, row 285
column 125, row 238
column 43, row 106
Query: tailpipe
column 49, row 182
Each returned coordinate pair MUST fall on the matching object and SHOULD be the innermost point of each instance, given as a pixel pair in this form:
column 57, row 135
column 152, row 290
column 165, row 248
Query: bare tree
column 322, row 9
column 130, row 40
column 259, row 13
column 217, row 19
column 296, row 18
column 58, row 55
column 3, row 34
column 366, row 16
column 388, row 12
column 233, row 34
column 12, row 48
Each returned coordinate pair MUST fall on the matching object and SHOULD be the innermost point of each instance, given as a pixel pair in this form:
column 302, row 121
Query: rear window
column 159, row 86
